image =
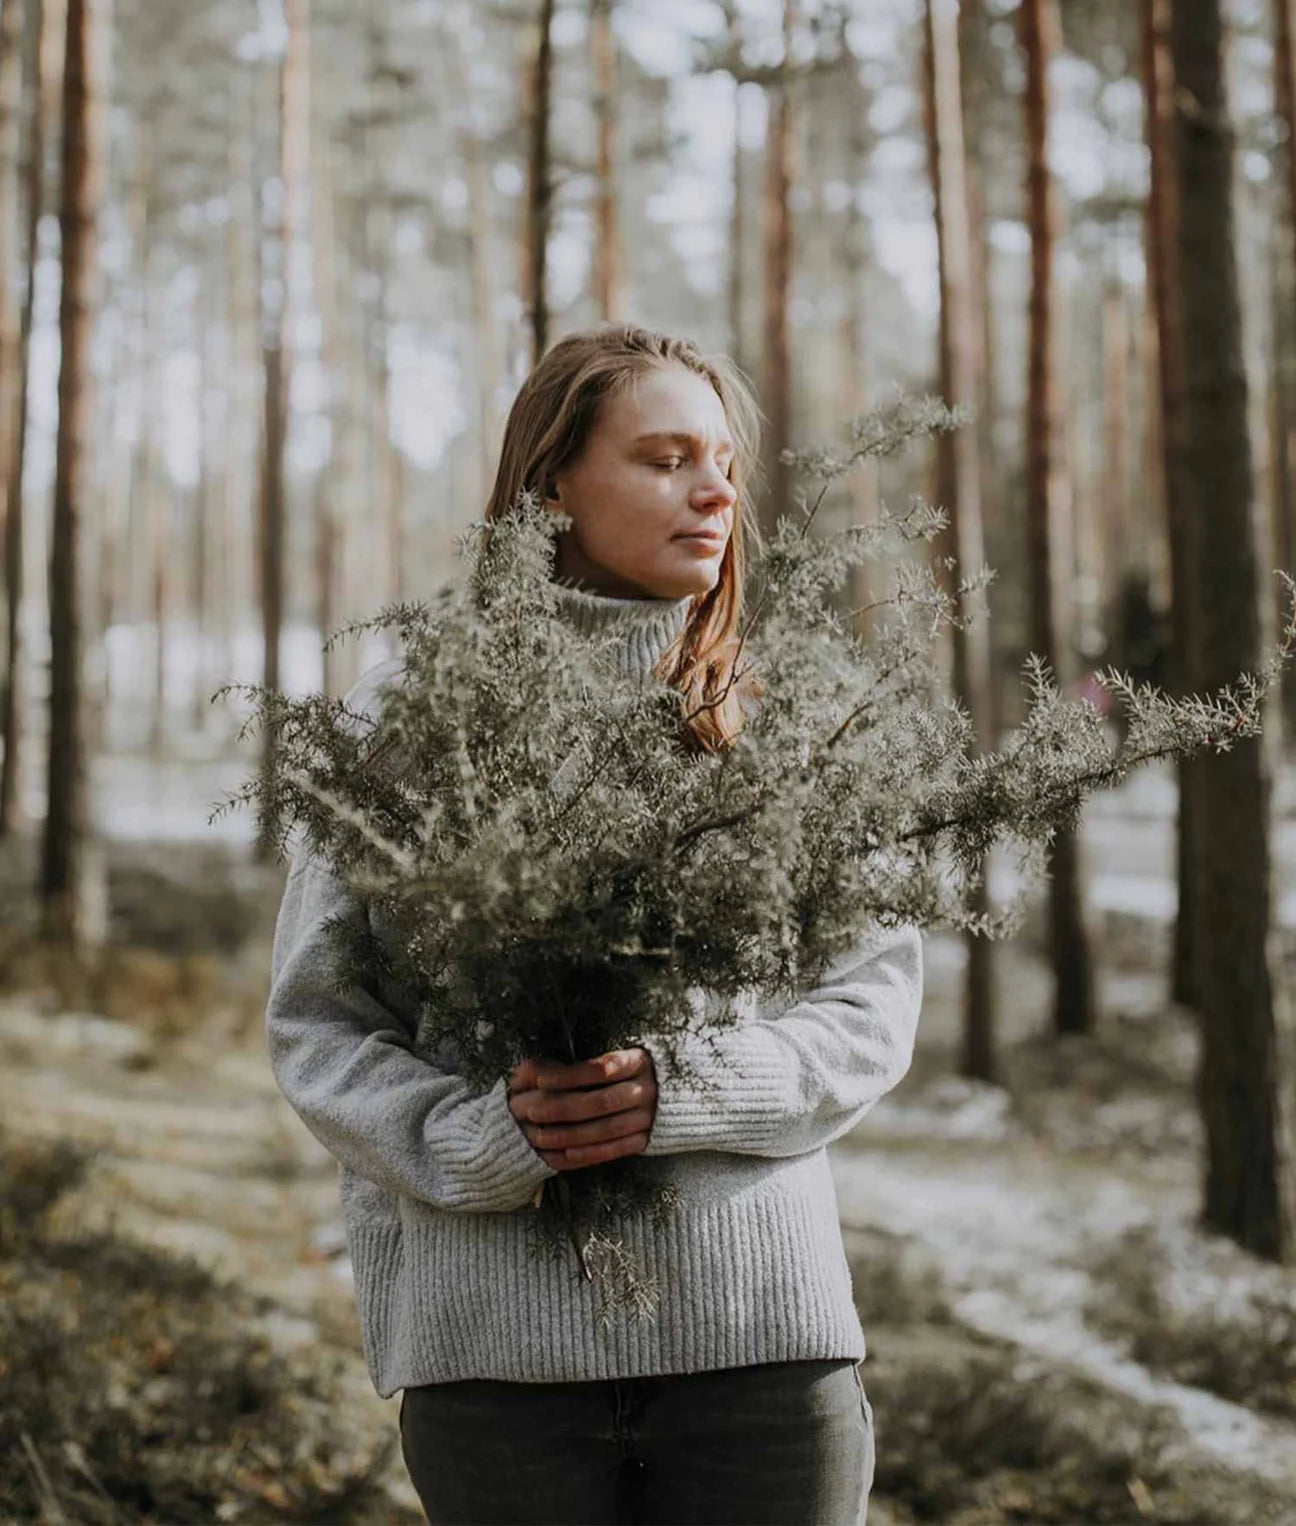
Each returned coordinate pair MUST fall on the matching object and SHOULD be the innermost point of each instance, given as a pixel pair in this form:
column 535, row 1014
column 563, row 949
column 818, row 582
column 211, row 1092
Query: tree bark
column 11, row 79
column 152, row 489
column 332, row 480
column 205, row 499
column 1163, row 265
column 481, row 296
column 958, row 468
column 277, row 361
column 738, row 212
column 240, row 468
column 1284, row 330
column 1116, row 541
column 609, row 264
column 65, row 911
column 12, row 365
column 1282, row 434
column 976, row 58
column 777, row 388
column 46, row 73
column 867, row 582
column 1045, row 506
column 539, row 188
column 1243, row 1084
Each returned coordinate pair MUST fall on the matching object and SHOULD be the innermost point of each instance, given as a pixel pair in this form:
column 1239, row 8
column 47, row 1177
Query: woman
column 741, row 1401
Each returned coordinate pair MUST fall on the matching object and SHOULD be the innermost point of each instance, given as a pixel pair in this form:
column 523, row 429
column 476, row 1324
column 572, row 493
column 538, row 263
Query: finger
column 576, row 1107
column 574, row 1135
column 616, row 1065
column 524, row 1076
column 595, row 1155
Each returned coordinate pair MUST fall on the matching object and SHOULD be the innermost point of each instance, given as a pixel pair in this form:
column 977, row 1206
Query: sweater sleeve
column 345, row 1062
column 792, row 1083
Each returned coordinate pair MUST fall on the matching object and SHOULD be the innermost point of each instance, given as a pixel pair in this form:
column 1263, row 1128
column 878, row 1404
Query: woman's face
column 655, row 468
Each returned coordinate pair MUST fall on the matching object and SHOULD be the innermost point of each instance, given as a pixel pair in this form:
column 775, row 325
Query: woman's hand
column 586, row 1113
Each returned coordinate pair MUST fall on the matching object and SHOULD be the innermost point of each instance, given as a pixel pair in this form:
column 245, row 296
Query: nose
column 717, row 489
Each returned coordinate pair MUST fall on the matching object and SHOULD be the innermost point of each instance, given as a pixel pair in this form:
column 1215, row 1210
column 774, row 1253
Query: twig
column 44, row 1487
column 75, row 1454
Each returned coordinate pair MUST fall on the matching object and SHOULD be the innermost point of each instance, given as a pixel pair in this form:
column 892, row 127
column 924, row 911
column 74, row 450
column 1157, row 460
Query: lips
column 707, row 537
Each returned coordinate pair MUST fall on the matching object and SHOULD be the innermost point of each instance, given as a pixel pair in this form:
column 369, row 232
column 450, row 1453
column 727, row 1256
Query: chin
column 676, row 585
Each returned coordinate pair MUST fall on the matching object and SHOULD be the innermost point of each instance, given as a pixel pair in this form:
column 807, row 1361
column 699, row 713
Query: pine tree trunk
column 1163, row 259
column 608, row 260
column 1242, row 1085
column 976, row 57
column 204, row 507
column 383, row 500
column 958, row 467
column 277, row 363
column 1148, row 503
column 867, row 583
column 1116, row 540
column 153, row 488
column 272, row 511
column 1284, row 330
column 114, row 496
column 11, row 368
column 1068, row 935
column 539, row 188
column 738, row 211
column 240, row 467
column 334, row 476
column 65, row 911
column 45, row 70
column 777, row 373
column 482, row 303
column 11, row 71
column 221, row 531
column 1282, row 435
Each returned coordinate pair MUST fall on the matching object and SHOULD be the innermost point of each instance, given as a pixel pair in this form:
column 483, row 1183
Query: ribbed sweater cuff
column 741, row 1105
column 515, row 1165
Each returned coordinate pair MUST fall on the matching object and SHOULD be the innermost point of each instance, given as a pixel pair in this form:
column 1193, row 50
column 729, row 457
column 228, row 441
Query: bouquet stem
column 574, row 1225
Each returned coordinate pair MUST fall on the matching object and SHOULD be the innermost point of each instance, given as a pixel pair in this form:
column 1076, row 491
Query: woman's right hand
column 585, row 1113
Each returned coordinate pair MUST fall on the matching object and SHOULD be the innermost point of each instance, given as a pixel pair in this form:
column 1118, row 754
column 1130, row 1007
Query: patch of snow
column 1012, row 1237
column 286, row 1331
column 952, row 1107
column 62, row 1034
column 1234, row 1435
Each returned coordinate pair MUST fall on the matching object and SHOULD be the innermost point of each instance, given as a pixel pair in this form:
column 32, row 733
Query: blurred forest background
column 271, row 272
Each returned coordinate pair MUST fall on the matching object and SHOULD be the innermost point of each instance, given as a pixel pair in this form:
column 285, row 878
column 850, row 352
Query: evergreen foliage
column 551, row 871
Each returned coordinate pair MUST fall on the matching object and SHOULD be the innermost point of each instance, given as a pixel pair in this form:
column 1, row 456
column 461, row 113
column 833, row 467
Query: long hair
column 548, row 425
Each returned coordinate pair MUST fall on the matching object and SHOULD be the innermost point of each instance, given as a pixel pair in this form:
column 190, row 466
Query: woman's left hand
column 586, row 1113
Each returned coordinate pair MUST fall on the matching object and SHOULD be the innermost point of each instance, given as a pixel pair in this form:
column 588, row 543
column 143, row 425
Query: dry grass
column 188, row 940
column 972, row 1433
column 1237, row 1338
column 137, row 1387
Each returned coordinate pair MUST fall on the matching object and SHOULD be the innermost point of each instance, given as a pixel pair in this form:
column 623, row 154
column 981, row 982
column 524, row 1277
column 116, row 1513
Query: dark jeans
column 782, row 1443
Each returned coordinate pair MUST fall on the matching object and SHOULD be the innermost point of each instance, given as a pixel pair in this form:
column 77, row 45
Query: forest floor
column 1051, row 1336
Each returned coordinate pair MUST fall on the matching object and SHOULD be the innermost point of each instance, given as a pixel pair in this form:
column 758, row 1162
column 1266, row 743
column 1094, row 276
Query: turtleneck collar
column 646, row 627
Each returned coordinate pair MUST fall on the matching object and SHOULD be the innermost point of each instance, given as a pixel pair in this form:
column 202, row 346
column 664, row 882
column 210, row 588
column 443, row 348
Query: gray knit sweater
column 436, row 1180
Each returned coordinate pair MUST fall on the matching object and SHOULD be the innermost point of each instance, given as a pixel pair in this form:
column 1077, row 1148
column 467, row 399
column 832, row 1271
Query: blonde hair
column 548, row 425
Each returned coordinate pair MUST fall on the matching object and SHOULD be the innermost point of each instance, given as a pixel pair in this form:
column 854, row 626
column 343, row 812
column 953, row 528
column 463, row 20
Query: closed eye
column 671, row 464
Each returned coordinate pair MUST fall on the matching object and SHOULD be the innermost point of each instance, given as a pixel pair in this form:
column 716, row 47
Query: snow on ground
column 1010, row 1230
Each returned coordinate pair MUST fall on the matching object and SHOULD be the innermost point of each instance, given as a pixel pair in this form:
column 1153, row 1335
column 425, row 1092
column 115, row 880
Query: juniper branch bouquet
column 551, row 871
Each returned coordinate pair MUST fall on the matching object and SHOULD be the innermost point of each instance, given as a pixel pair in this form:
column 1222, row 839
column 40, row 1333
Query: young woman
column 741, row 1401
